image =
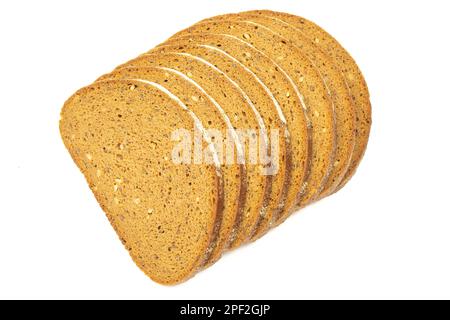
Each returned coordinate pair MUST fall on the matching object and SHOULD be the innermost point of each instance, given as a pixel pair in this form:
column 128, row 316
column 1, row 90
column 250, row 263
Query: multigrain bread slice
column 282, row 88
column 149, row 137
column 317, row 103
column 242, row 114
column 334, row 80
column 119, row 133
column 220, row 128
column 270, row 111
column 353, row 76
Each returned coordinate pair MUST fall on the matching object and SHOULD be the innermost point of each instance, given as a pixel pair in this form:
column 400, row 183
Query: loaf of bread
column 216, row 136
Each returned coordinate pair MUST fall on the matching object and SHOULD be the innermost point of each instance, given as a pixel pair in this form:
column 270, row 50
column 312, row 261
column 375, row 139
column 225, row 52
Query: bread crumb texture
column 216, row 136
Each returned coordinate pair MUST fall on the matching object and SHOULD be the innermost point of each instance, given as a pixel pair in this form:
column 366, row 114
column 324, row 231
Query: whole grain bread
column 119, row 135
column 178, row 144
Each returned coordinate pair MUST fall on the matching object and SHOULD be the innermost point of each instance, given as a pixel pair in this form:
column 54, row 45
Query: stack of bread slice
column 217, row 135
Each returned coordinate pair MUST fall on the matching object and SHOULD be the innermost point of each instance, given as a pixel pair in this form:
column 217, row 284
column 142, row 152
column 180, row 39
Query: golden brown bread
column 119, row 135
column 222, row 89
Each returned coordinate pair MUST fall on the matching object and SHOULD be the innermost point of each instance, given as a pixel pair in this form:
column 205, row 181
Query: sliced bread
column 119, row 133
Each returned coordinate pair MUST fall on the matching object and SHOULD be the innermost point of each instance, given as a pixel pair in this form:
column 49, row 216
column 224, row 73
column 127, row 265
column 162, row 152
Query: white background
column 386, row 235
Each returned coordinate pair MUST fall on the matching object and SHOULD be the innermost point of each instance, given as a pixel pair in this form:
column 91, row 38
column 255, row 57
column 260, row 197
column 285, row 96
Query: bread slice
column 213, row 118
column 353, row 76
column 119, row 133
column 270, row 111
column 214, row 137
column 334, row 80
column 282, row 88
column 242, row 114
